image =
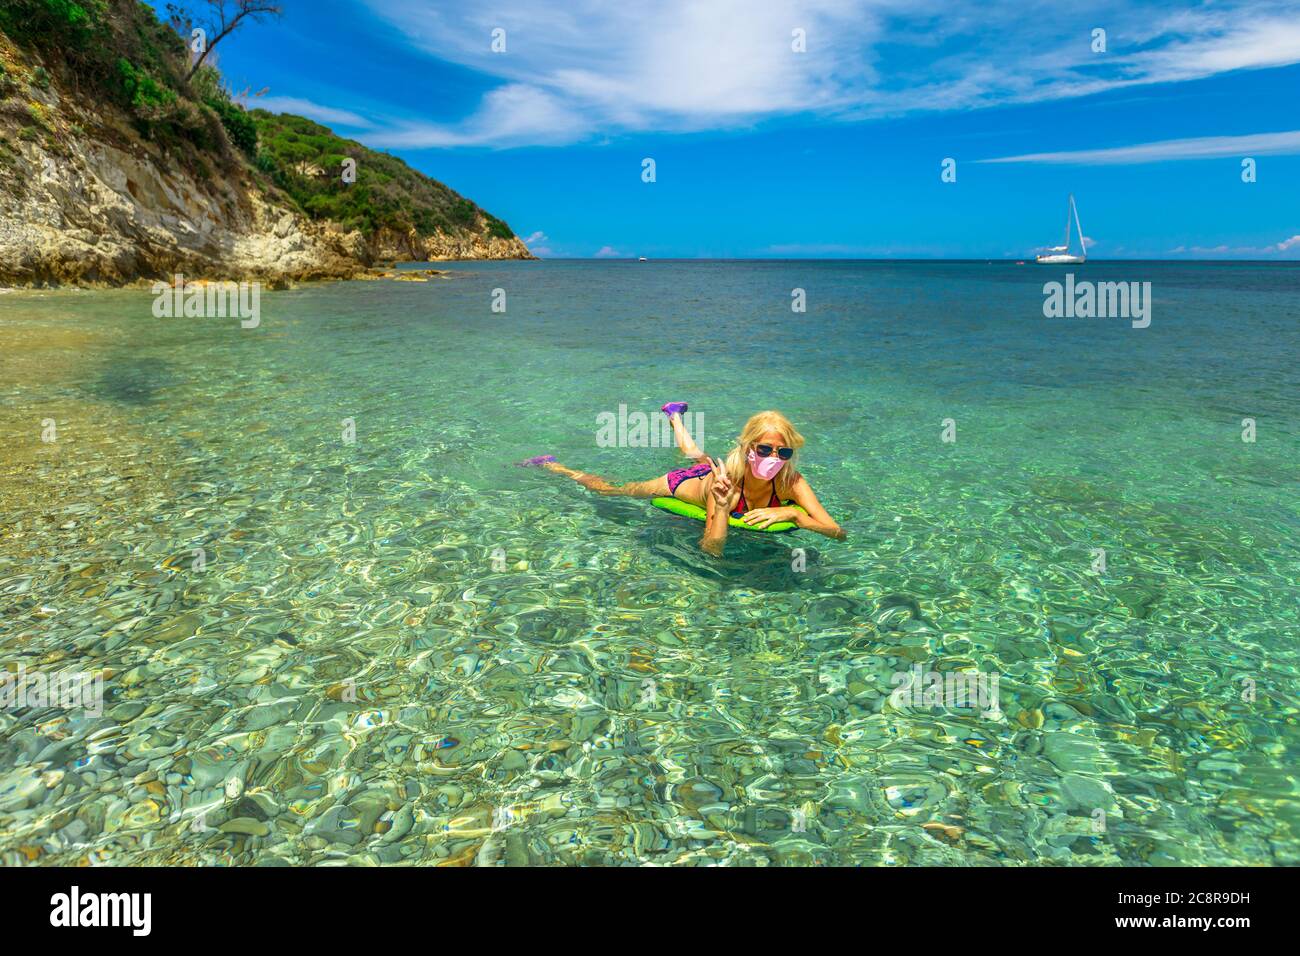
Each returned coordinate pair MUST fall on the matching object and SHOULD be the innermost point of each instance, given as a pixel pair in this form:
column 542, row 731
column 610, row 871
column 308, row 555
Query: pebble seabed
column 403, row 651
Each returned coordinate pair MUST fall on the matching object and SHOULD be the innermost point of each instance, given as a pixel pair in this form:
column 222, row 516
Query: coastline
column 89, row 198
column 98, row 207
column 327, row 263
column 389, row 271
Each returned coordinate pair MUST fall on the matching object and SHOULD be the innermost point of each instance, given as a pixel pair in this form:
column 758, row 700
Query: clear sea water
column 406, row 650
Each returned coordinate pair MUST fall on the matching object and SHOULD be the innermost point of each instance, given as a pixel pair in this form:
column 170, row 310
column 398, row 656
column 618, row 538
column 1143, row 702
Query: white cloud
column 593, row 66
column 1204, row 147
column 514, row 113
column 538, row 244
column 590, row 67
column 609, row 252
column 292, row 104
column 1222, row 250
column 1226, row 40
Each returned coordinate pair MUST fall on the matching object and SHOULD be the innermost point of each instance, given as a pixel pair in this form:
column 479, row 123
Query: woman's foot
column 673, row 408
column 536, row 461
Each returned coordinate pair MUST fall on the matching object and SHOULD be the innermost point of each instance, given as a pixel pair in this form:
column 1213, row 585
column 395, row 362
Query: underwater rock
column 245, row 825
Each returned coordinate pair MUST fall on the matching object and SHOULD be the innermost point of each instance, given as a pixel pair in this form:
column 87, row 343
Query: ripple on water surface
column 403, row 650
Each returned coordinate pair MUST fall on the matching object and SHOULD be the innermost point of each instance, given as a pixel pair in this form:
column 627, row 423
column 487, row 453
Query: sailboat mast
column 1083, row 249
column 1066, row 244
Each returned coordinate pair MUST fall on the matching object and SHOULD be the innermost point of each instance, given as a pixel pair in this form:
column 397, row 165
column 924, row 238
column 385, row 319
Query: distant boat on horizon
column 642, row 259
column 1061, row 255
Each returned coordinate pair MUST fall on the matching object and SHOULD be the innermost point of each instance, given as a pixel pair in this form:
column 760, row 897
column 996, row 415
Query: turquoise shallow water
column 406, row 650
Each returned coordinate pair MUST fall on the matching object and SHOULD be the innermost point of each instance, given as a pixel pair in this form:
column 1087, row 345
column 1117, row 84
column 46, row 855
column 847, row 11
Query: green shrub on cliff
column 52, row 22
column 498, row 228
column 119, row 51
column 306, row 160
column 239, row 125
column 207, row 87
column 114, row 48
column 145, row 95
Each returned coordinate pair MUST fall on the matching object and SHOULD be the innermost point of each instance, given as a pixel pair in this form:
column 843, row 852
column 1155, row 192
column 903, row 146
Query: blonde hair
column 749, row 435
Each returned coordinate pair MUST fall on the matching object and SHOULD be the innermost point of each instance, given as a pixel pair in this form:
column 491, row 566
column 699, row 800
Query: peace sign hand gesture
column 722, row 486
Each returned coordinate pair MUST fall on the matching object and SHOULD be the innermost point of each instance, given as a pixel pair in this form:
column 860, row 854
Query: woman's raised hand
column 722, row 486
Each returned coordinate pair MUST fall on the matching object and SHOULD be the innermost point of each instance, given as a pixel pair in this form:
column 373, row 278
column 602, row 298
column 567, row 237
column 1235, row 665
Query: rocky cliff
column 91, row 195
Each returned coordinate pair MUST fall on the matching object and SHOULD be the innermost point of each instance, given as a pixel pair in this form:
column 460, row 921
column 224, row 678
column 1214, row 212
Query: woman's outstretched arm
column 816, row 518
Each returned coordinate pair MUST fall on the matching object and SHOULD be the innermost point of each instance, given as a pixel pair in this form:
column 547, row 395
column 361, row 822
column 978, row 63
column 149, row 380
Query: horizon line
column 985, row 259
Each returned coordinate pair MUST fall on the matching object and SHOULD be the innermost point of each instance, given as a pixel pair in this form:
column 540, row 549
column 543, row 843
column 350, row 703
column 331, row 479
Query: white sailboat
column 1061, row 255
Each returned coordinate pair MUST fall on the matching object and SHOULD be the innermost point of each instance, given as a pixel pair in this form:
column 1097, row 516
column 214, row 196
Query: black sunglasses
column 765, row 451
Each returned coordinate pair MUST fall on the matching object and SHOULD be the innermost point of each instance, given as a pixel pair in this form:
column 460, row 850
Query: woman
column 757, row 483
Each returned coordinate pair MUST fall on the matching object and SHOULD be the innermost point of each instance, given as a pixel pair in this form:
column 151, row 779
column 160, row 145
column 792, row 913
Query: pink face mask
column 764, row 468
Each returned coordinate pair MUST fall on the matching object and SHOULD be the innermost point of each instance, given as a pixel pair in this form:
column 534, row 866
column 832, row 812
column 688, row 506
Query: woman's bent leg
column 684, row 440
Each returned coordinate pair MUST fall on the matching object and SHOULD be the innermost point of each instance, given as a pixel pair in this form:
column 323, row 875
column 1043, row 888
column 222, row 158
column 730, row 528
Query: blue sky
column 835, row 151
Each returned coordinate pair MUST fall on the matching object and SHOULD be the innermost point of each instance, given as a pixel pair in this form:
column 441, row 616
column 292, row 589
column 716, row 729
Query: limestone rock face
column 84, row 199
column 411, row 247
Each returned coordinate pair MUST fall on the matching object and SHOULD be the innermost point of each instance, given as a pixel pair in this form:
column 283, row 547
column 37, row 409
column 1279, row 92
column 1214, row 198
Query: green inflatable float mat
column 688, row 510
